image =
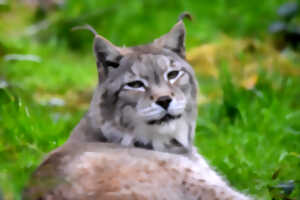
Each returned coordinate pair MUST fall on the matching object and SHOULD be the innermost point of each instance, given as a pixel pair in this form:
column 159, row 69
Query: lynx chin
column 136, row 140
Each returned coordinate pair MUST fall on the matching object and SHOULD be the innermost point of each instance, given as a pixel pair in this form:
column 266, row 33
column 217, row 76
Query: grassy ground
column 249, row 108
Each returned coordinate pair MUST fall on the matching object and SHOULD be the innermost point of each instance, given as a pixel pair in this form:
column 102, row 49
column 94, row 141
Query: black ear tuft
column 185, row 15
column 85, row 27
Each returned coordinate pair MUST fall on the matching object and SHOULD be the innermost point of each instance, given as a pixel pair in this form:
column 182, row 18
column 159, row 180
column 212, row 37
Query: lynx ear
column 174, row 40
column 106, row 53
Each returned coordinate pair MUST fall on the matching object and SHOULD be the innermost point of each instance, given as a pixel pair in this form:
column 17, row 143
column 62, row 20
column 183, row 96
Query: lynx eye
column 173, row 75
column 135, row 85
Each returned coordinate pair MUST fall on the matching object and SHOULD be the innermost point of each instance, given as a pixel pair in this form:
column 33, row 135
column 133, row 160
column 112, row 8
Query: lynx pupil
column 173, row 74
column 136, row 84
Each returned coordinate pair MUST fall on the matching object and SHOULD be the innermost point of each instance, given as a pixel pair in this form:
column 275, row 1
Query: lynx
column 136, row 140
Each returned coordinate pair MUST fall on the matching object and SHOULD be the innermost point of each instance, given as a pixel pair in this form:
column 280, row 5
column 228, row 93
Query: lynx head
column 146, row 95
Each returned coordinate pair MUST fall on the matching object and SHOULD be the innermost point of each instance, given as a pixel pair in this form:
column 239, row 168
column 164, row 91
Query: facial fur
column 146, row 95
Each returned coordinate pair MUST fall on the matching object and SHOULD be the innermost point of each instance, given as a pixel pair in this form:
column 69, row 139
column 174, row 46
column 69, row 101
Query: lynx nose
column 164, row 101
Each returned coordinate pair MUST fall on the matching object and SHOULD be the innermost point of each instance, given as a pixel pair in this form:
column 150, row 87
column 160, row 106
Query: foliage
column 138, row 21
column 287, row 28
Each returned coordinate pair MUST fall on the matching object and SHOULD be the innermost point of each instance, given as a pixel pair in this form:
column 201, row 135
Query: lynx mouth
column 165, row 119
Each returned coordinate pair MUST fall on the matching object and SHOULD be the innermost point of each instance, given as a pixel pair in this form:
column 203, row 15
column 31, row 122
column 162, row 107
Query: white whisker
column 177, row 108
column 151, row 113
column 147, row 110
column 155, row 112
column 154, row 116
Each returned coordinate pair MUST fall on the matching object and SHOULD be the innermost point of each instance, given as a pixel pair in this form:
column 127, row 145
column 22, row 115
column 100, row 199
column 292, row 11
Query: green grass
column 252, row 136
column 27, row 132
column 248, row 135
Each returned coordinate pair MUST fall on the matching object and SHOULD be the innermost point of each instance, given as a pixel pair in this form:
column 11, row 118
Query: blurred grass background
column 249, row 105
